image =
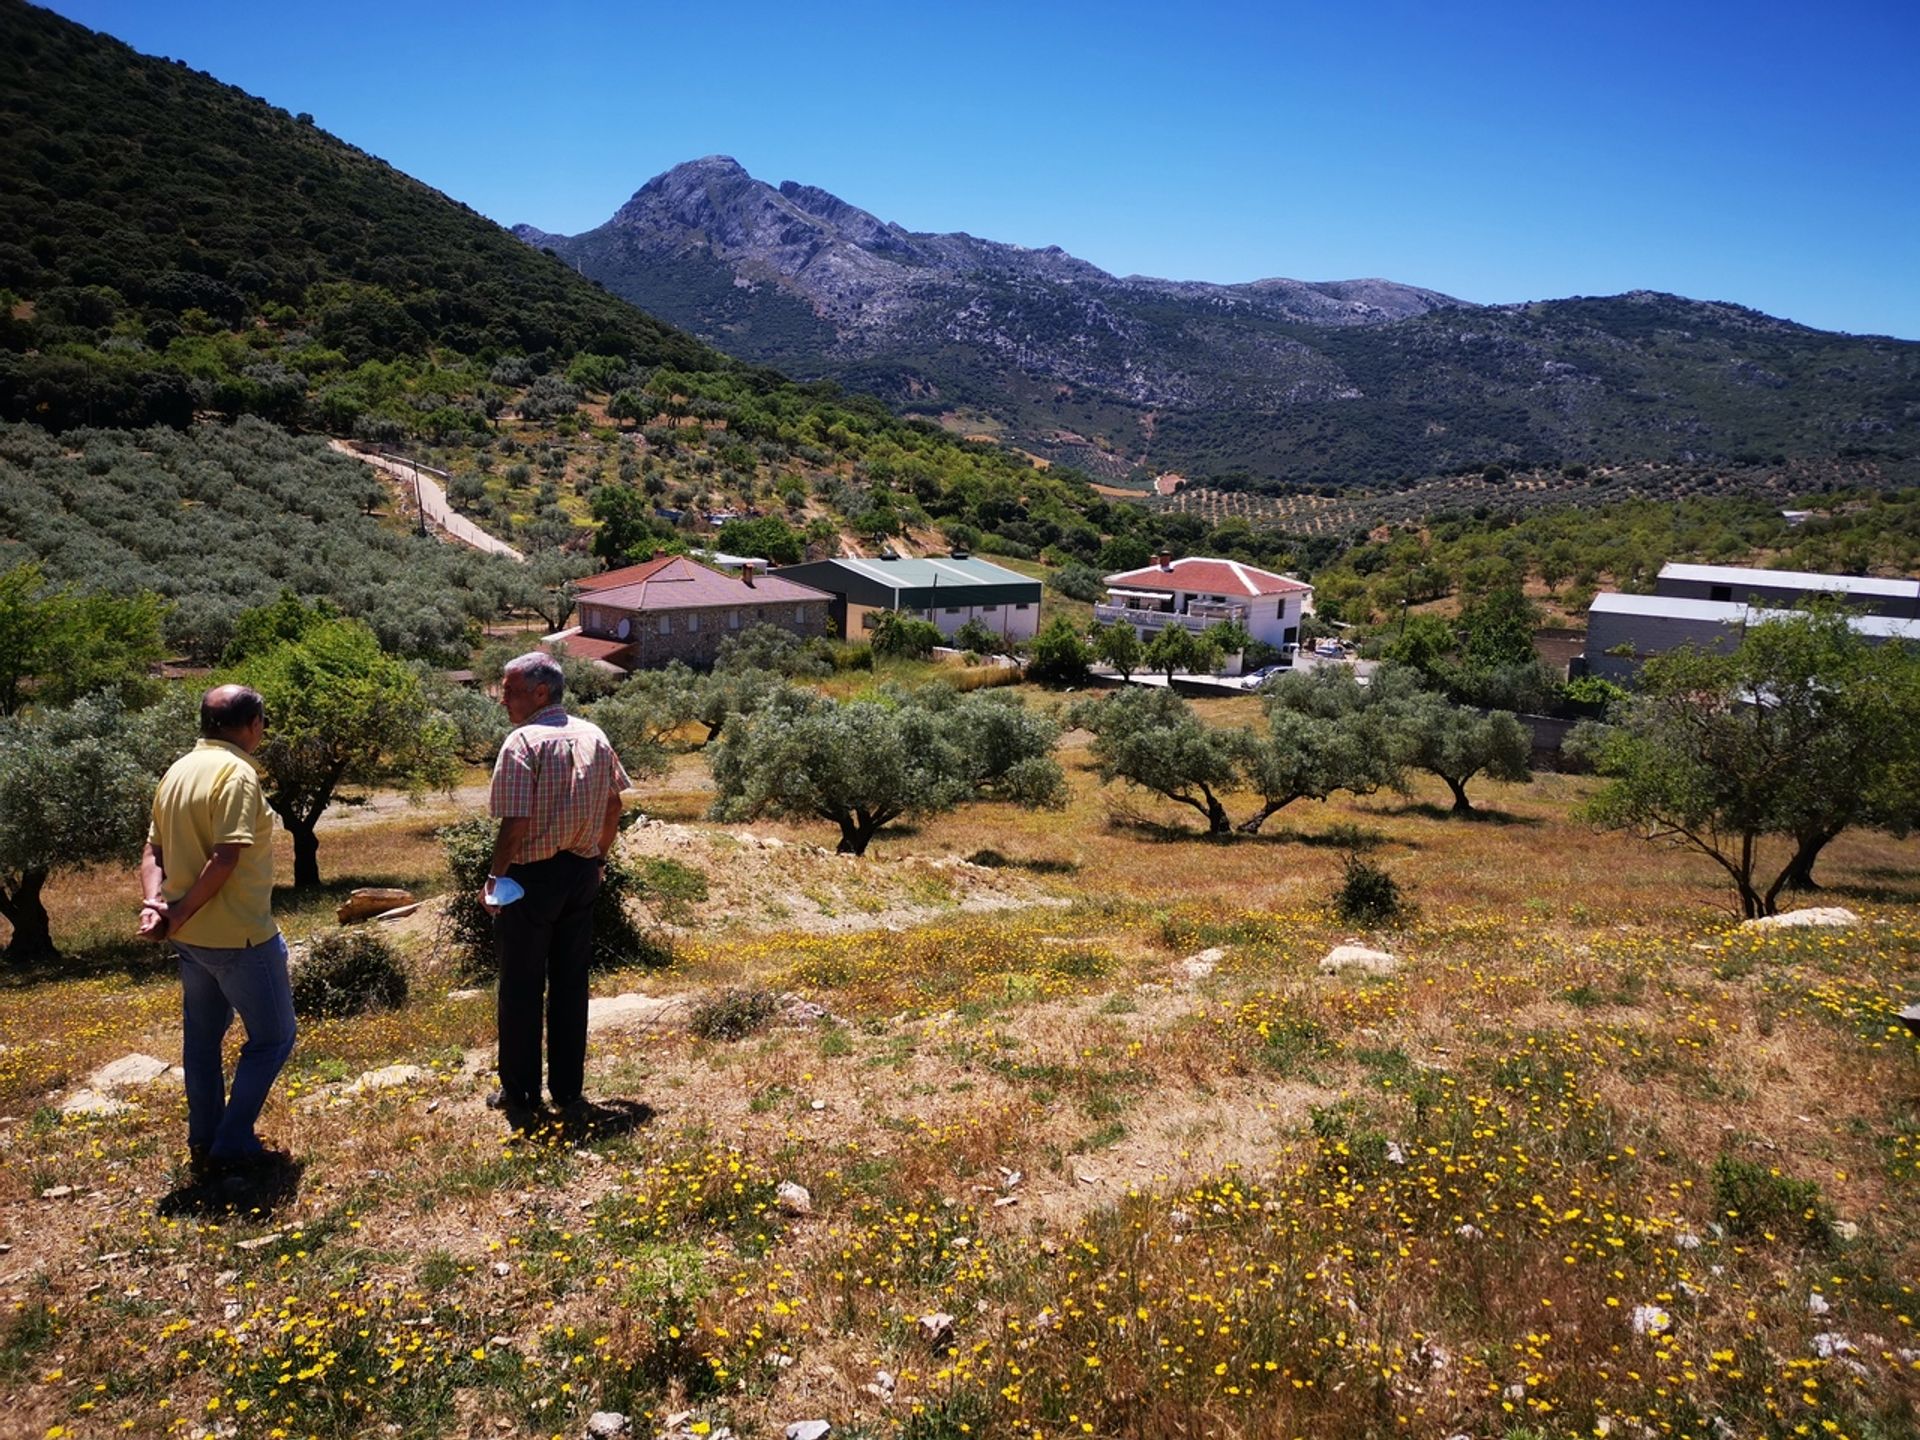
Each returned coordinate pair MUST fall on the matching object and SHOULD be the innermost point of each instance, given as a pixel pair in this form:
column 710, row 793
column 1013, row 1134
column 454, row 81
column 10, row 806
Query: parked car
column 1332, row 648
column 1254, row 679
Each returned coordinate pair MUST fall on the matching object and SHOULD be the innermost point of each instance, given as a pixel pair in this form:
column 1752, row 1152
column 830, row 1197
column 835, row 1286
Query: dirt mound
column 757, row 882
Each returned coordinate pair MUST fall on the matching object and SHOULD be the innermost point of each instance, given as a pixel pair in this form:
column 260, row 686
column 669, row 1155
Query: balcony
column 1197, row 619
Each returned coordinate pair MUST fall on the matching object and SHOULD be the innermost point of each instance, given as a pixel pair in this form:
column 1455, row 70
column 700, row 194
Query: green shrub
column 348, row 972
column 1755, row 1200
column 733, row 1013
column 1368, row 895
column 670, row 888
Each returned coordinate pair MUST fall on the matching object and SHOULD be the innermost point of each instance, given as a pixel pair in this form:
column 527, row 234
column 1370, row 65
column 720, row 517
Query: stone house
column 641, row 616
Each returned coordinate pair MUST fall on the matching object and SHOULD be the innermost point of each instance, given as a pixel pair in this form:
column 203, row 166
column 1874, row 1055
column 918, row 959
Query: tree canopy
column 340, row 712
column 1757, row 758
column 862, row 764
column 76, row 789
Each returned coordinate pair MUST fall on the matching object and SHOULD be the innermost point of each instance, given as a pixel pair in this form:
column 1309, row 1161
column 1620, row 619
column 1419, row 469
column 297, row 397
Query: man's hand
column 486, row 901
column 154, row 921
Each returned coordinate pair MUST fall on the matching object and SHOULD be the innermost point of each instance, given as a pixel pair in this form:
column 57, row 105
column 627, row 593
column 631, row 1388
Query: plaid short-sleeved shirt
column 556, row 771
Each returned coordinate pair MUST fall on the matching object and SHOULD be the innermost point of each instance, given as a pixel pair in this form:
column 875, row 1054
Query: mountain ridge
column 1275, row 379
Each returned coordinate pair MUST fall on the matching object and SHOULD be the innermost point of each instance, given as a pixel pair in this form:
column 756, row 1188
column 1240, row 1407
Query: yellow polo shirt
column 212, row 796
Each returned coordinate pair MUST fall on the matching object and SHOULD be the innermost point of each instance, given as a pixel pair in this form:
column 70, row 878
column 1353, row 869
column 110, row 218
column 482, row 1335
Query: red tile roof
column 1208, row 577
column 677, row 583
column 625, row 575
column 588, row 648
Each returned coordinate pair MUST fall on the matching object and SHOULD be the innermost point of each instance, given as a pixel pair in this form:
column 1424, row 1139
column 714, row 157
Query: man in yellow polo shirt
column 207, row 875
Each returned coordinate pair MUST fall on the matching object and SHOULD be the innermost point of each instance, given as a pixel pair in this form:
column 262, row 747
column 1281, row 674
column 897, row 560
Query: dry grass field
column 1093, row 1148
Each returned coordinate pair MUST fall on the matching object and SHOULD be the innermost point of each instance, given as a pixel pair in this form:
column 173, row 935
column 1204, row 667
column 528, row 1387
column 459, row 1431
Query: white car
column 1254, row 679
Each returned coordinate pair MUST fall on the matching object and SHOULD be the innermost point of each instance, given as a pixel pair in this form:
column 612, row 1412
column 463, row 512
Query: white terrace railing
column 1197, row 619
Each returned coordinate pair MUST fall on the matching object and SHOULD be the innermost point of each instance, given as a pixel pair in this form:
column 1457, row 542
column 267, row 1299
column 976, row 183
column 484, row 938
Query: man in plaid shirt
column 556, row 793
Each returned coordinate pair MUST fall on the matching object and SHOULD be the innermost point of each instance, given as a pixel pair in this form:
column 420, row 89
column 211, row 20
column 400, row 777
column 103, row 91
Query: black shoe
column 201, row 1166
column 500, row 1100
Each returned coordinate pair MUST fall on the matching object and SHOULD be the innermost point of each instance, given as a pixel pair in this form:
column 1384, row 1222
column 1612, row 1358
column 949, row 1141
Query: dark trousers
column 544, row 941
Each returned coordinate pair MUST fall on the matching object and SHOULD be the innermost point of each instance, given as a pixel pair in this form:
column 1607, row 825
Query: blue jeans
column 214, row 984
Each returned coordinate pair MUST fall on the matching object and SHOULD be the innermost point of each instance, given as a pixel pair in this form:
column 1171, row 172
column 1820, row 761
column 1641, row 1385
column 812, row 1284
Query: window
column 1720, row 592
column 666, row 624
column 1020, row 605
column 799, row 614
column 693, row 621
column 733, row 619
column 953, row 609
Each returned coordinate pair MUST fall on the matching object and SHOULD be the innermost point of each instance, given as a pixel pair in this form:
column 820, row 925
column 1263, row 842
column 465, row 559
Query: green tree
column 1151, row 739
column 627, row 532
column 773, row 650
column 340, row 712
column 1457, row 742
column 1425, row 642
column 57, row 644
column 767, row 537
column 1322, row 736
column 76, row 789
column 625, row 407
column 1769, row 751
column 863, row 764
column 1174, row 648
column 976, row 638
column 1118, row 645
column 286, row 619
column 904, row 636
column 1058, row 655
column 550, row 584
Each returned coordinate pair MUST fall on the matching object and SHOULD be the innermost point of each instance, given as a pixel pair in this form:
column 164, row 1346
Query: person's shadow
column 598, row 1120
column 257, row 1191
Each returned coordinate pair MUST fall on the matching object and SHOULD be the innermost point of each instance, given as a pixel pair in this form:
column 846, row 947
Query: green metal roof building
column 949, row 590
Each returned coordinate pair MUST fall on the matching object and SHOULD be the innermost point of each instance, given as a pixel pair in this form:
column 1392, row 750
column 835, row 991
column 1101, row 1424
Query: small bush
column 1756, row 1200
column 733, row 1013
column 672, row 889
column 348, row 972
column 1368, row 895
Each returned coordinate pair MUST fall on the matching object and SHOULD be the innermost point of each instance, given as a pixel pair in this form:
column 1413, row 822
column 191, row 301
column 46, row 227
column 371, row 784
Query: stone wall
column 695, row 636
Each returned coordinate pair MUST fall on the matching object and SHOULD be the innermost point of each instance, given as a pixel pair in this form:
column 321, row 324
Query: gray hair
column 539, row 668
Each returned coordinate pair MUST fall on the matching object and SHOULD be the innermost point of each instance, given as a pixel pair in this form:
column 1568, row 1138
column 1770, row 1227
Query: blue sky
column 1766, row 153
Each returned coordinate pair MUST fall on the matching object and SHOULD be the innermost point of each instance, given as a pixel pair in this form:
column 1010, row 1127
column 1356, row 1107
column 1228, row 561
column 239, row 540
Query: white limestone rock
column 1835, row 917
column 127, row 1070
column 92, row 1104
column 387, row 1077
column 1358, row 957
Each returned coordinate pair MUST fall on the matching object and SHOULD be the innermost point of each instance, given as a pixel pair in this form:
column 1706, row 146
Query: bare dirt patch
column 757, row 880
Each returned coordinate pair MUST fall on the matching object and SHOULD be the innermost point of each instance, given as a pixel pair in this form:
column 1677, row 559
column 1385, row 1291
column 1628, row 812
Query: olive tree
column 1427, row 731
column 1758, row 758
column 1118, row 645
column 862, row 764
column 1322, row 736
column 341, row 712
column 76, row 790
column 1151, row 739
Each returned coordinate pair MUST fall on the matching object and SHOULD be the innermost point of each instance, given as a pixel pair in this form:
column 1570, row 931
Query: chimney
column 659, row 555
column 1164, row 560
column 746, row 573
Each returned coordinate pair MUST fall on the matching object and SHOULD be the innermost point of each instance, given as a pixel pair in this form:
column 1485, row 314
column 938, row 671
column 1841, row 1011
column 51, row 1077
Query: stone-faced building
column 672, row 608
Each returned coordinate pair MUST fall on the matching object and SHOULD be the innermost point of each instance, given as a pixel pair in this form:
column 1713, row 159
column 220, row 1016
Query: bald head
column 229, row 711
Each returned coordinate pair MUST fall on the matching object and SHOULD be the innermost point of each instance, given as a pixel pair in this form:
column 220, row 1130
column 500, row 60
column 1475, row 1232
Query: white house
column 1196, row 593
